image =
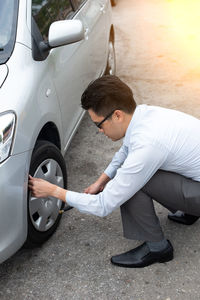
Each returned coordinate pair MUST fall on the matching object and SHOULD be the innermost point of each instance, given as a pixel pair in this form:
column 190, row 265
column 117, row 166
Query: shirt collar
column 131, row 124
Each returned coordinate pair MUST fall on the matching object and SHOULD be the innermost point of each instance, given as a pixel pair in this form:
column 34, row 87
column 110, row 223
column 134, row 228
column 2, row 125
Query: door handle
column 86, row 33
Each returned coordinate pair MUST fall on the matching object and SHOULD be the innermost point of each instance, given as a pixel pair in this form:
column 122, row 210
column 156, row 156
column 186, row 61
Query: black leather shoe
column 142, row 256
column 183, row 218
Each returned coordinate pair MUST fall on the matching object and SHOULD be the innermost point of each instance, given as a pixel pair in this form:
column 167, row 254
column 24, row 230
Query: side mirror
column 65, row 32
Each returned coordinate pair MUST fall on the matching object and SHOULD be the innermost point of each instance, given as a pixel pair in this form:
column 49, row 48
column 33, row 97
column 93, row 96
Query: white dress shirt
column 156, row 138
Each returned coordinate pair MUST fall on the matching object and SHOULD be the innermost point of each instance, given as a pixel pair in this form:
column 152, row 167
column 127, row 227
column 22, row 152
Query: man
column 159, row 159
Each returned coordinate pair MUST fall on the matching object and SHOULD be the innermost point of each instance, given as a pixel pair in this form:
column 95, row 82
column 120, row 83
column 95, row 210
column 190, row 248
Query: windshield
column 8, row 20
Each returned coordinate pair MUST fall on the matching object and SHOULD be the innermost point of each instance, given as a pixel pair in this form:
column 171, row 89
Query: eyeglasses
column 100, row 123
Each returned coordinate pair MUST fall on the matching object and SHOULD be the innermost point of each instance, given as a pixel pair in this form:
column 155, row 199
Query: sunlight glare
column 184, row 16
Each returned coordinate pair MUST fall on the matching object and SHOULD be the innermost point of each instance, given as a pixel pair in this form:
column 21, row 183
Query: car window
column 46, row 12
column 8, row 23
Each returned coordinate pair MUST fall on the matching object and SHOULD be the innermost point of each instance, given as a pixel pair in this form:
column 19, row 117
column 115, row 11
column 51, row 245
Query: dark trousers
column 173, row 191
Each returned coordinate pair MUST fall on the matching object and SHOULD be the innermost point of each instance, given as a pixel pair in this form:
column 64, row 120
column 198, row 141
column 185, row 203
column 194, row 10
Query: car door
column 70, row 64
column 93, row 15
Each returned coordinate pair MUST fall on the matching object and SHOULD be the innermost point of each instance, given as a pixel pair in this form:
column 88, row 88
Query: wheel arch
column 50, row 133
column 108, row 65
column 113, row 2
column 112, row 34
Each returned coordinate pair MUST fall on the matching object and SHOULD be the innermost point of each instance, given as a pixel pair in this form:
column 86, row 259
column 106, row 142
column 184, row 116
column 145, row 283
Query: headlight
column 7, row 126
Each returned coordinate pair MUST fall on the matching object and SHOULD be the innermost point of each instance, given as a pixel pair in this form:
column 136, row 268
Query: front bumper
column 13, row 203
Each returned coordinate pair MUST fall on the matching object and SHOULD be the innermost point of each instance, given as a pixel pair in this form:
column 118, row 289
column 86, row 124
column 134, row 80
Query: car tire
column 111, row 60
column 43, row 213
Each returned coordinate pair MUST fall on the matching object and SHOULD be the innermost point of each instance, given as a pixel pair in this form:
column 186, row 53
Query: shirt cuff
column 110, row 171
column 69, row 198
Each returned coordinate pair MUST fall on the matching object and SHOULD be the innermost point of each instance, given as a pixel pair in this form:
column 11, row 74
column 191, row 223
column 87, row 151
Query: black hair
column 107, row 94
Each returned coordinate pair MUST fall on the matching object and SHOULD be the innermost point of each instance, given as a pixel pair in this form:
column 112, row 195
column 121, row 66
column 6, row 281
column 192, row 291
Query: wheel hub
column 44, row 211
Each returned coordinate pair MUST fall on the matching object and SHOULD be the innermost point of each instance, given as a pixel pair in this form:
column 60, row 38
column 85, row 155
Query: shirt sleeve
column 117, row 161
column 139, row 166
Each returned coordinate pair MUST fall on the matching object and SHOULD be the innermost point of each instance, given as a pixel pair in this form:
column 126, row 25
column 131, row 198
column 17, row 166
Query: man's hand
column 94, row 188
column 42, row 189
column 97, row 186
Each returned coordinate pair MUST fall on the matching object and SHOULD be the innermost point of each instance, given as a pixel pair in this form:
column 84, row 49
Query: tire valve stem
column 65, row 209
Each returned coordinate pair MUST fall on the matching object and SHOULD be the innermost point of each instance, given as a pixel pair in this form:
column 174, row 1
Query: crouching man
column 159, row 159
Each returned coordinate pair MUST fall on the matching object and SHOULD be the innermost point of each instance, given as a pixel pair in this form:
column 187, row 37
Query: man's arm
column 137, row 169
column 117, row 161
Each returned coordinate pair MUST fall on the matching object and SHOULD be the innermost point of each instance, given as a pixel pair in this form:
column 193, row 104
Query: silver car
column 49, row 52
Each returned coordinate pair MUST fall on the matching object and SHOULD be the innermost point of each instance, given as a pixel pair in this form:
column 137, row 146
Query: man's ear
column 118, row 115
